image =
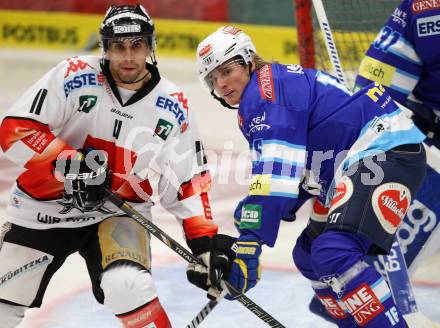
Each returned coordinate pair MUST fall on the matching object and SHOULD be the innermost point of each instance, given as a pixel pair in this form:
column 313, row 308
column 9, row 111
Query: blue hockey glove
column 246, row 269
column 237, row 215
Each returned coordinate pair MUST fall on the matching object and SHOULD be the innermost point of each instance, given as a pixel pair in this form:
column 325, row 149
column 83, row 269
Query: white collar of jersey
column 125, row 94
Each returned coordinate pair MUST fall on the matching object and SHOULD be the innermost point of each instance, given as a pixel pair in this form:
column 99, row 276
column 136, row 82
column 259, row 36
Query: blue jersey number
column 386, row 38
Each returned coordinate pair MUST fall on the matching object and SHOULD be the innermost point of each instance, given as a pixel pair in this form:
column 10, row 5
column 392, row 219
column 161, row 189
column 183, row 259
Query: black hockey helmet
column 127, row 22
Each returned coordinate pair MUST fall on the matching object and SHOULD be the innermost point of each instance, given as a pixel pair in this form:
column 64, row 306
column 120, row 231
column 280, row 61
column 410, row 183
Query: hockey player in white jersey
column 89, row 124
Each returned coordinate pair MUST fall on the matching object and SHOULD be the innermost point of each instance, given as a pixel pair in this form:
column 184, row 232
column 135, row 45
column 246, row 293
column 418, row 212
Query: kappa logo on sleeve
column 428, row 26
column 75, row 65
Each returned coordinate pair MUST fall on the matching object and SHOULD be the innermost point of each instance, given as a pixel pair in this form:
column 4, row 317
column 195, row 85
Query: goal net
column 354, row 25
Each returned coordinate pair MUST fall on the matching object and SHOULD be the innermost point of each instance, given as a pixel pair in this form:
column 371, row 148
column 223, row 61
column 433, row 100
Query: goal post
column 354, row 25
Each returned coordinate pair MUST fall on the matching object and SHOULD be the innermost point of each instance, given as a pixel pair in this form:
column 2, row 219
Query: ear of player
column 86, row 176
column 228, row 258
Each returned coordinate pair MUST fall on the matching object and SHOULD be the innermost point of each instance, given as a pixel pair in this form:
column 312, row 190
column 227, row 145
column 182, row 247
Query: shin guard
column 151, row 315
column 352, row 291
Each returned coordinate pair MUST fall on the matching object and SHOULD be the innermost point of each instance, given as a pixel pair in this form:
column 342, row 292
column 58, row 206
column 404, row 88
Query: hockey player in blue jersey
column 358, row 155
column 403, row 59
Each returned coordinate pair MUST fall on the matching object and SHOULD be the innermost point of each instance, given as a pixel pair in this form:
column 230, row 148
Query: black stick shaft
column 189, row 257
column 202, row 314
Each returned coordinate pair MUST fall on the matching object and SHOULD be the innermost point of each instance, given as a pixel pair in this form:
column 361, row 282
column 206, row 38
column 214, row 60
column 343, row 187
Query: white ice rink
column 282, row 291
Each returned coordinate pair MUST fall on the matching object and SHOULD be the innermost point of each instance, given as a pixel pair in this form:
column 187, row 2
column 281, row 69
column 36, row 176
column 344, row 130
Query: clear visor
column 223, row 71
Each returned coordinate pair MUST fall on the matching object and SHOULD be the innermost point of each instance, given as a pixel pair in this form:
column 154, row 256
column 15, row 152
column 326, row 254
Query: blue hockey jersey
column 304, row 129
column 405, row 56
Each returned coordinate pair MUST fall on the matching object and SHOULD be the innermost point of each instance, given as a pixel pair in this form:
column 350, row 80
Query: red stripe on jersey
column 34, row 134
column 196, row 186
column 198, row 226
column 39, row 181
column 135, row 190
column 42, row 164
column 38, row 141
column 120, row 163
column 206, row 206
column 39, row 187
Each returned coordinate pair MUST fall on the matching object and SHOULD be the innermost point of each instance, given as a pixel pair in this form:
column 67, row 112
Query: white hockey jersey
column 153, row 134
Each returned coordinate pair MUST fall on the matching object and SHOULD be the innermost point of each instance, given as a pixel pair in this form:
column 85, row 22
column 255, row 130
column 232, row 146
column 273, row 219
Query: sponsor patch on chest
column 428, row 26
column 265, row 83
column 173, row 106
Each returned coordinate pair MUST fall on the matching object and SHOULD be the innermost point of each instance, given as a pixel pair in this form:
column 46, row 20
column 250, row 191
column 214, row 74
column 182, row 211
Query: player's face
column 229, row 80
column 127, row 61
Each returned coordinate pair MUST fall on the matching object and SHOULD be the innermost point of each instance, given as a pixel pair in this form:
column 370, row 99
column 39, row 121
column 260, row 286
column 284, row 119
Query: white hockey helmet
column 220, row 46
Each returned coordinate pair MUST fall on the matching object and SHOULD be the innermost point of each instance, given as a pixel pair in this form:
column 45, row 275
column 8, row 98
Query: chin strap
column 222, row 101
column 153, row 58
column 143, row 77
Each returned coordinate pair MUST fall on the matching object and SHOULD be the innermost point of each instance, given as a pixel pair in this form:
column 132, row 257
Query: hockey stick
column 401, row 289
column 189, row 257
column 398, row 279
column 397, row 275
column 329, row 42
column 203, row 313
